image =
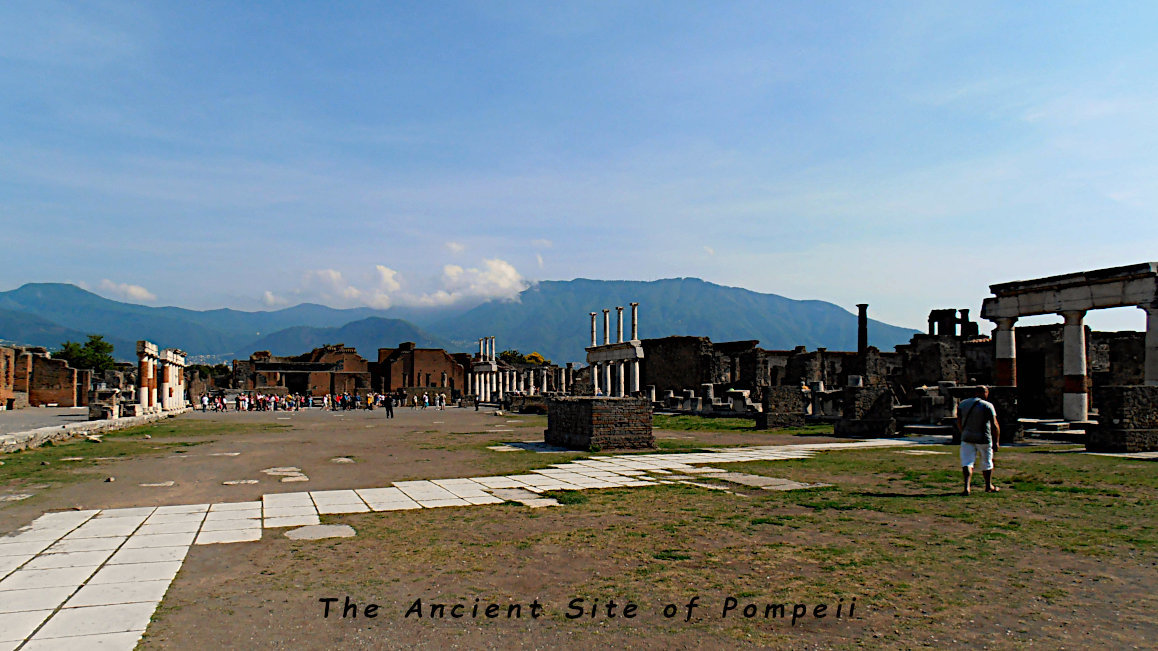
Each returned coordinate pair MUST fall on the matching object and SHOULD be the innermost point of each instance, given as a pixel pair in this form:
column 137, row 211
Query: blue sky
column 255, row 155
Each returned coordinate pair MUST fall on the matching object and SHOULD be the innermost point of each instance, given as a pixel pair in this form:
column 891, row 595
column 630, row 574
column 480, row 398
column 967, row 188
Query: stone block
column 1127, row 419
column 585, row 423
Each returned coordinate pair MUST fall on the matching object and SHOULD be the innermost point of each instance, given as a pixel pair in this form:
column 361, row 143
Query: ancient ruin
column 615, row 365
column 160, row 380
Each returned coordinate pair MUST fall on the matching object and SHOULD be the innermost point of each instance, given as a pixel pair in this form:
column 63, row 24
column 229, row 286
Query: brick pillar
column 1150, row 372
column 1075, row 400
column 1005, row 354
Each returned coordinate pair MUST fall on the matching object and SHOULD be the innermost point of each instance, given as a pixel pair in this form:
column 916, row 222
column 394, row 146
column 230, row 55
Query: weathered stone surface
column 320, row 531
column 868, row 412
column 585, row 423
column 1127, row 420
column 781, row 407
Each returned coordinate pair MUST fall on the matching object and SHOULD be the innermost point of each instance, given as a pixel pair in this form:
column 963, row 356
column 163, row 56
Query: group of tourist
column 339, row 402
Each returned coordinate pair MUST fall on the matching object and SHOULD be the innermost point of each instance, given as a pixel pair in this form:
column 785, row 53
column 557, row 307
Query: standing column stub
column 1150, row 360
column 1005, row 352
column 635, row 321
column 619, row 324
column 606, row 327
column 594, row 342
column 1075, row 399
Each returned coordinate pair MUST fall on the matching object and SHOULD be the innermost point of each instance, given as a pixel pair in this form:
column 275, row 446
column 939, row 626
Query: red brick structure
column 410, row 367
column 30, row 377
column 10, row 398
column 329, row 369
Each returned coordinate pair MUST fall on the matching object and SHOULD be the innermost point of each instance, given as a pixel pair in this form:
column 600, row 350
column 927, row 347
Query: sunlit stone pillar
column 1075, row 400
column 606, row 327
column 594, row 378
column 593, row 340
column 634, row 375
column 619, row 324
column 163, row 384
column 1005, row 353
column 635, row 321
column 620, row 367
column 606, row 368
column 1150, row 363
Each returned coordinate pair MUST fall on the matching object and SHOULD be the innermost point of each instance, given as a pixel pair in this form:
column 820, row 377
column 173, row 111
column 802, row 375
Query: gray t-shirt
column 979, row 416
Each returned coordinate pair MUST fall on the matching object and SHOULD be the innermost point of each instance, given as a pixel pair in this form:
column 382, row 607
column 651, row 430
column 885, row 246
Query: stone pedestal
column 1127, row 419
column 590, row 423
column 781, row 407
column 867, row 413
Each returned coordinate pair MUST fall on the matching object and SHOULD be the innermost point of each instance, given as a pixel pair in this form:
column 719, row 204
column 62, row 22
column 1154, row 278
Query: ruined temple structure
column 408, row 368
column 616, row 365
column 29, row 376
column 495, row 380
column 326, row 370
column 1071, row 296
column 160, row 381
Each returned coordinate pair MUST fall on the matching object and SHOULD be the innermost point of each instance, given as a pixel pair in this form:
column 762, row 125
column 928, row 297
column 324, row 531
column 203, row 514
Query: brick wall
column 588, row 423
column 53, row 381
column 868, row 412
column 7, row 376
column 1127, row 420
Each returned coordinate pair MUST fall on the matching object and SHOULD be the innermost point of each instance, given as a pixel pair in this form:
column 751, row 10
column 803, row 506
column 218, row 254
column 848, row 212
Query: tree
column 512, row 357
column 95, row 354
column 537, row 359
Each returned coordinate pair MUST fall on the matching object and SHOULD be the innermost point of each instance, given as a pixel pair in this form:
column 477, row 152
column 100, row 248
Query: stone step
column 926, row 430
column 1073, row 435
column 1052, row 425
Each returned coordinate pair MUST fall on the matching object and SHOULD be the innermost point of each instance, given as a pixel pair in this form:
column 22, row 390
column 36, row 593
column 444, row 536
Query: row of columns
column 618, row 327
column 1075, row 396
column 614, row 377
column 160, row 378
column 493, row 385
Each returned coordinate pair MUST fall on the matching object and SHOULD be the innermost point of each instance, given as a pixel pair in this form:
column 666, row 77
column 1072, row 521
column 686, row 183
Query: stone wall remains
column 781, row 407
column 589, row 423
column 1127, row 420
column 868, row 412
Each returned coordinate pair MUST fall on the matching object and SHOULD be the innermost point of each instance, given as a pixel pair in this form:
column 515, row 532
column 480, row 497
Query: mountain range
column 551, row 317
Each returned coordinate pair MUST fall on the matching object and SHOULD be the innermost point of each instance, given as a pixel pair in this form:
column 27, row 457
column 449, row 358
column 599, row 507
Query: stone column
column 635, row 376
column 606, row 327
column 1150, row 363
column 1005, row 355
column 1075, row 400
column 595, row 378
column 861, row 328
column 499, row 382
column 163, row 385
column 635, row 321
column 480, row 348
column 594, row 342
column 620, row 367
column 606, row 375
column 467, row 378
column 544, row 380
column 619, row 324
column 142, row 381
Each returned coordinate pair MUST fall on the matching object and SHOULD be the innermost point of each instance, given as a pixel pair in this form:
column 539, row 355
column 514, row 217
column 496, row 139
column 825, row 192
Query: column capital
column 1002, row 322
column 1073, row 317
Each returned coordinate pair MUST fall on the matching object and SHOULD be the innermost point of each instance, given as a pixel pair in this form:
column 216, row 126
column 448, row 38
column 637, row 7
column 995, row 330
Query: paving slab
column 136, row 572
column 109, row 594
column 320, row 531
column 231, row 525
column 14, row 601
column 291, row 521
column 291, row 512
column 63, row 519
column 181, row 509
column 24, row 548
column 95, row 620
column 149, row 555
column 34, row 535
column 174, row 518
column 437, row 504
column 68, row 559
column 141, row 511
column 252, row 534
column 109, row 528
column 160, row 540
column 31, row 579
column 191, row 526
column 110, row 641
column 86, row 545
column 15, row 627
column 234, row 506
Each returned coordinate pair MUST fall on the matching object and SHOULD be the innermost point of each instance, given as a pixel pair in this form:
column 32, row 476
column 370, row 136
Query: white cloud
column 125, row 290
column 269, row 299
column 539, row 259
column 455, row 247
column 542, row 243
column 496, row 279
column 387, row 279
column 709, row 250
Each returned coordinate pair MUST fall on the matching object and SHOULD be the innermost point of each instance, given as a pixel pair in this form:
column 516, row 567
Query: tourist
column 980, row 437
column 388, row 403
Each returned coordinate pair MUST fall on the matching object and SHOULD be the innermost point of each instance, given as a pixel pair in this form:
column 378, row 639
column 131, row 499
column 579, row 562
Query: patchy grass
column 926, row 566
column 686, row 423
column 44, row 465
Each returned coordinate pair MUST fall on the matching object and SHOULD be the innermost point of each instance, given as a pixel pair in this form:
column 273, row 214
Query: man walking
column 980, row 437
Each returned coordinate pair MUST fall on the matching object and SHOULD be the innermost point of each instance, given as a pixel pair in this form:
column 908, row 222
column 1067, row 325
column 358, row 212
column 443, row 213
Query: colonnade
column 160, row 378
column 615, row 367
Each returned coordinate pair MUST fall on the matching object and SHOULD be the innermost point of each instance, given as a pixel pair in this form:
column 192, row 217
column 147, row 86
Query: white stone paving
column 92, row 579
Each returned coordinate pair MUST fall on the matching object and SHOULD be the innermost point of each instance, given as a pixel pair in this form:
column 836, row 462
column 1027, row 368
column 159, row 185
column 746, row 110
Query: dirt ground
column 1036, row 565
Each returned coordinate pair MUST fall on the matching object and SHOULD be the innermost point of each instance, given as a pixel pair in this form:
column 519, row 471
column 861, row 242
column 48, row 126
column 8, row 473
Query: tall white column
column 595, row 371
column 619, row 324
column 607, row 377
column 635, row 376
column 544, row 380
column 635, row 321
column 593, row 340
column 606, row 327
column 480, row 348
column 620, row 367
column 1150, row 361
column 163, row 385
column 1075, row 400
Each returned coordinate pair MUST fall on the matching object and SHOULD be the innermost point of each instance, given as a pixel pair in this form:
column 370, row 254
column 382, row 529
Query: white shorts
column 971, row 452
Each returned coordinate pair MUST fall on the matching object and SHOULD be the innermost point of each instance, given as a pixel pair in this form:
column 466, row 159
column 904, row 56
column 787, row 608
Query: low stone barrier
column 37, row 437
column 590, row 423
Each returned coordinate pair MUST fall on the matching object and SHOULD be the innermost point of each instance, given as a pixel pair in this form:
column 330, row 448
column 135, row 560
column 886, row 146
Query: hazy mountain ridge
column 550, row 317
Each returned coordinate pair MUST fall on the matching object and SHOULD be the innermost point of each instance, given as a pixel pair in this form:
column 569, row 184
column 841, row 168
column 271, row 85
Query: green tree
column 512, row 357
column 95, row 354
column 537, row 359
